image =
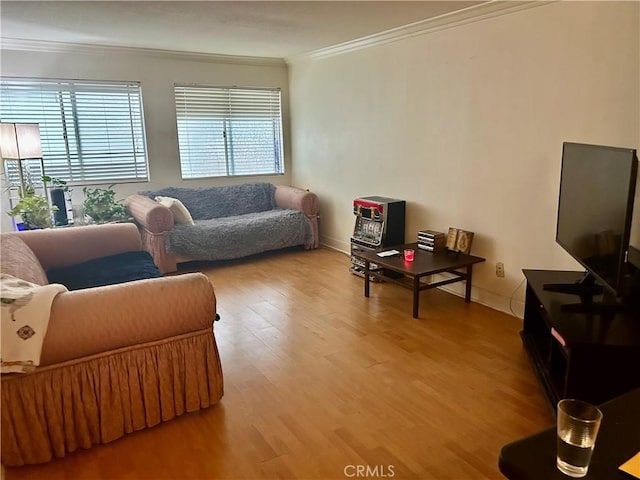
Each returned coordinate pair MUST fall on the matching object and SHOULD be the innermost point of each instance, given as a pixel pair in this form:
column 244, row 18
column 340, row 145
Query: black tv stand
column 588, row 351
column 585, row 287
column 597, row 308
column 574, row 289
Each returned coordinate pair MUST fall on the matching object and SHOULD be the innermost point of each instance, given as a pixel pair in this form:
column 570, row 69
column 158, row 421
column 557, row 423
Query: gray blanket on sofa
column 226, row 238
column 205, row 203
column 234, row 221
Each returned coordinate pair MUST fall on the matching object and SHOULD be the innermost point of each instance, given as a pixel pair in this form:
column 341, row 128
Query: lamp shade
column 19, row 141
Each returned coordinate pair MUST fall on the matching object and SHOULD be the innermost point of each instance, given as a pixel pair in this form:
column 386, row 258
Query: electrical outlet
column 500, row 269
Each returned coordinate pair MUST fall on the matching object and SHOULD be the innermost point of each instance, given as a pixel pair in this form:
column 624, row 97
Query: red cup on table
column 409, row 254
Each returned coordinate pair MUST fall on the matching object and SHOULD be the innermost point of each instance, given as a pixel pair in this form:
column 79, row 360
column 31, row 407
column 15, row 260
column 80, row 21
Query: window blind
column 90, row 131
column 227, row 131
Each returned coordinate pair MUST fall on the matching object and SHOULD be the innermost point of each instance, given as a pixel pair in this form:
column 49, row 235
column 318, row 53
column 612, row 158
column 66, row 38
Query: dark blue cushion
column 123, row 267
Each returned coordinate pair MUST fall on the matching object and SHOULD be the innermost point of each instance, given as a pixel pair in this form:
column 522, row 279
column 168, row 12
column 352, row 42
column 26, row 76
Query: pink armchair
column 115, row 359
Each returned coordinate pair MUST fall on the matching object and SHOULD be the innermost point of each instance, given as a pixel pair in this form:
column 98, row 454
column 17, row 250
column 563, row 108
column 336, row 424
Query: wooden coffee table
column 425, row 264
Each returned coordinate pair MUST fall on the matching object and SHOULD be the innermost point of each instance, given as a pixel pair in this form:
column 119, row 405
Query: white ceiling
column 259, row 28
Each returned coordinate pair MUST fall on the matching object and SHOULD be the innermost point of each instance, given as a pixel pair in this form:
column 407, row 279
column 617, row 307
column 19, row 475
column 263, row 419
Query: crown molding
column 91, row 49
column 490, row 9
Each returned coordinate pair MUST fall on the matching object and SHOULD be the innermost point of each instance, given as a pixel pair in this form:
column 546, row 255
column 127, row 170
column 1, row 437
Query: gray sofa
column 230, row 222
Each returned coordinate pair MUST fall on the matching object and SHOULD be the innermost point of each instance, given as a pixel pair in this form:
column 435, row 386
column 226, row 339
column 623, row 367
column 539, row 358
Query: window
column 90, row 131
column 228, row 131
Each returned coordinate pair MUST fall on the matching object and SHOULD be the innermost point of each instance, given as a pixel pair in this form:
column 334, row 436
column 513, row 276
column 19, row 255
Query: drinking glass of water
column 578, row 425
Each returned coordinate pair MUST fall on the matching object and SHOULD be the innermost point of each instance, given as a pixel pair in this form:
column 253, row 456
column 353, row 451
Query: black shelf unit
column 591, row 356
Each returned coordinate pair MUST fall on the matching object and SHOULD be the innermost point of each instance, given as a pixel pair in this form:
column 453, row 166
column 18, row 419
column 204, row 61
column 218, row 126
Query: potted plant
column 34, row 210
column 100, row 204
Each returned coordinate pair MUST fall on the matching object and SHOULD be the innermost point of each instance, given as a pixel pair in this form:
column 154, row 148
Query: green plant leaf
column 100, row 204
column 34, row 210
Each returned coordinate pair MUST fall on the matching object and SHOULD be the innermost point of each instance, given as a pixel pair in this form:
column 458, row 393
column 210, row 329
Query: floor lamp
column 21, row 142
column 20, row 146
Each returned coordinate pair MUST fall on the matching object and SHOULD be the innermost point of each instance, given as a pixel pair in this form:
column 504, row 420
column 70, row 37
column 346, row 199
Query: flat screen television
column 595, row 207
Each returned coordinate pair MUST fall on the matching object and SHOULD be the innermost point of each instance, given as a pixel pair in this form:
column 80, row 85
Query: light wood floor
column 319, row 379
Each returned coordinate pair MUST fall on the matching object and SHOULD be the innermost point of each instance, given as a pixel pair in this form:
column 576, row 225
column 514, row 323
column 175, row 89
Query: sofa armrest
column 152, row 216
column 303, row 200
column 95, row 320
column 61, row 247
column 156, row 222
column 297, row 199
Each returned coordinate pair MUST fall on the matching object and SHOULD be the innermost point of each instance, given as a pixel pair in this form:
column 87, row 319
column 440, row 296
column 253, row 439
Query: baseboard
column 336, row 244
column 508, row 305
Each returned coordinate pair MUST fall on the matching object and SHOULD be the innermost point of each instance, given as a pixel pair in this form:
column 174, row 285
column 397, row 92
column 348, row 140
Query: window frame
column 184, row 105
column 127, row 159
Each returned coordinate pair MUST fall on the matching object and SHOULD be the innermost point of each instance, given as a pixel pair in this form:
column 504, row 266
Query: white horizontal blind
column 225, row 131
column 89, row 131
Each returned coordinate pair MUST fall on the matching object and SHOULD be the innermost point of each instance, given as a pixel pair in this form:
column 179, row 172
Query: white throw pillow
column 179, row 211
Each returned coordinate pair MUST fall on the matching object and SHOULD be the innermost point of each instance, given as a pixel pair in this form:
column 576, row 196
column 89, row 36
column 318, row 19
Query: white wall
column 467, row 125
column 157, row 74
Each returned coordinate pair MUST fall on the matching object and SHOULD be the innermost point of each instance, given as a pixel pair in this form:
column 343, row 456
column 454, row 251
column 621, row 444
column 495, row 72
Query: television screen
column 597, row 189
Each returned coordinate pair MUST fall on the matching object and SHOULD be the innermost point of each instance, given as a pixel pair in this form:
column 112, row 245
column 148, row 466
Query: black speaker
column 57, row 199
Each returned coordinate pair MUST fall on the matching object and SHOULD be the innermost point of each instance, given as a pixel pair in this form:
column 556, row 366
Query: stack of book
column 431, row 240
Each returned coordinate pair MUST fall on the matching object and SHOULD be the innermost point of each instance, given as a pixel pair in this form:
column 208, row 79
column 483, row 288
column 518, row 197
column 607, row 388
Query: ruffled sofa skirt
column 76, row 404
